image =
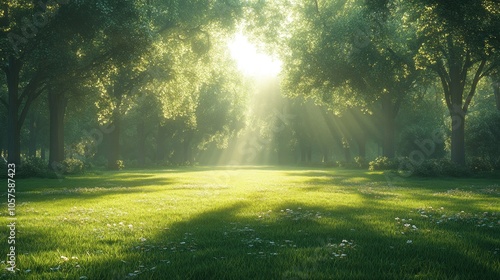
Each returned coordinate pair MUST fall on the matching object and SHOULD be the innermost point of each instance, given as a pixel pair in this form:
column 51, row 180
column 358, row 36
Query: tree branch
column 31, row 87
column 475, row 81
column 491, row 67
column 465, row 68
column 28, row 103
column 445, row 82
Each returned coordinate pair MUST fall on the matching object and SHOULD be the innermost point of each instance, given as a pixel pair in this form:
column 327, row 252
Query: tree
column 349, row 54
column 459, row 42
column 24, row 80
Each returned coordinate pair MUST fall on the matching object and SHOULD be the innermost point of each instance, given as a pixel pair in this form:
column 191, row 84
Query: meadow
column 255, row 223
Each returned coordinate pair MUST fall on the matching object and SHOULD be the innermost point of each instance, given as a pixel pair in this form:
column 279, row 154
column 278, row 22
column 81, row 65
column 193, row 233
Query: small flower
column 64, row 258
column 143, row 239
column 409, row 241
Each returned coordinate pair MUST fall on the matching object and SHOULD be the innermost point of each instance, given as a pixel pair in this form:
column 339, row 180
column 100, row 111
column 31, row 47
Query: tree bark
column 361, row 141
column 114, row 142
column 32, row 135
column 42, row 152
column 458, row 137
column 326, row 155
column 12, row 71
column 389, row 126
column 160, row 144
column 57, row 109
column 141, row 138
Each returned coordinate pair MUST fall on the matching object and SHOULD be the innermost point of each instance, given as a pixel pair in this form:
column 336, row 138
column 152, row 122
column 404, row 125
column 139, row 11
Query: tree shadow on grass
column 34, row 190
column 293, row 241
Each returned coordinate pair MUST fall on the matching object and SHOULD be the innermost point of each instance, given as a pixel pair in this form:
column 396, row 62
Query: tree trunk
column 141, row 147
column 361, row 141
column 389, row 125
column 32, row 135
column 326, row 155
column 309, row 153
column 305, row 152
column 347, row 153
column 458, row 137
column 42, row 152
column 13, row 127
column 114, row 142
column 57, row 109
column 160, row 144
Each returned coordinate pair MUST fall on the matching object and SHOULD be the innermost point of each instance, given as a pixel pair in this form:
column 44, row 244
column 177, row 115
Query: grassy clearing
column 256, row 223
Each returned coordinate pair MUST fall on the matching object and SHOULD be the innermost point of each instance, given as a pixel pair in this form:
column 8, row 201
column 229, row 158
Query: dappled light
column 283, row 223
column 232, row 139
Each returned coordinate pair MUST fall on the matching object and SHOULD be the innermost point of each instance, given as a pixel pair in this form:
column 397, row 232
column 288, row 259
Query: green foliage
column 439, row 167
column 480, row 164
column 361, row 162
column 73, row 166
column 34, row 167
column 99, row 162
column 483, row 136
column 382, row 163
column 357, row 163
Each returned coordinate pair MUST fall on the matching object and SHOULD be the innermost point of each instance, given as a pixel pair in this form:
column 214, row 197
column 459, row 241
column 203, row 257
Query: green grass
column 255, row 223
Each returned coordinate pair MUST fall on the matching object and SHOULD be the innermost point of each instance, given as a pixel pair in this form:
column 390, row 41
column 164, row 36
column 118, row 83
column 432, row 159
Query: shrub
column 439, row 167
column 360, row 162
column 120, row 164
column 100, row 162
column 428, row 168
column 480, row 164
column 33, row 167
column 73, row 166
column 483, row 135
column 382, row 163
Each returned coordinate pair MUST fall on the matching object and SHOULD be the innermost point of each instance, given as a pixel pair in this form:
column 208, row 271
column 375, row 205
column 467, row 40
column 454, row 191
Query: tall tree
column 18, row 41
column 348, row 54
column 459, row 43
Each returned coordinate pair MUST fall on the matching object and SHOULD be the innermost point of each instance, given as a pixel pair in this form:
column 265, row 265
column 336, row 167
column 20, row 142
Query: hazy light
column 250, row 61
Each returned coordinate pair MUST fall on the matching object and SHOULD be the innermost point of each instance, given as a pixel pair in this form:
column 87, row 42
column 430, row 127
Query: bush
column 100, row 162
column 428, row 168
column 30, row 167
column 480, row 164
column 439, row 167
column 360, row 162
column 33, row 167
column 483, row 135
column 120, row 164
column 382, row 163
column 73, row 166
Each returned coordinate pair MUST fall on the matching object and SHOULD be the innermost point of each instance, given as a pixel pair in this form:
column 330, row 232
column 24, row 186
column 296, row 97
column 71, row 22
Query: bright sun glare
column 250, row 61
